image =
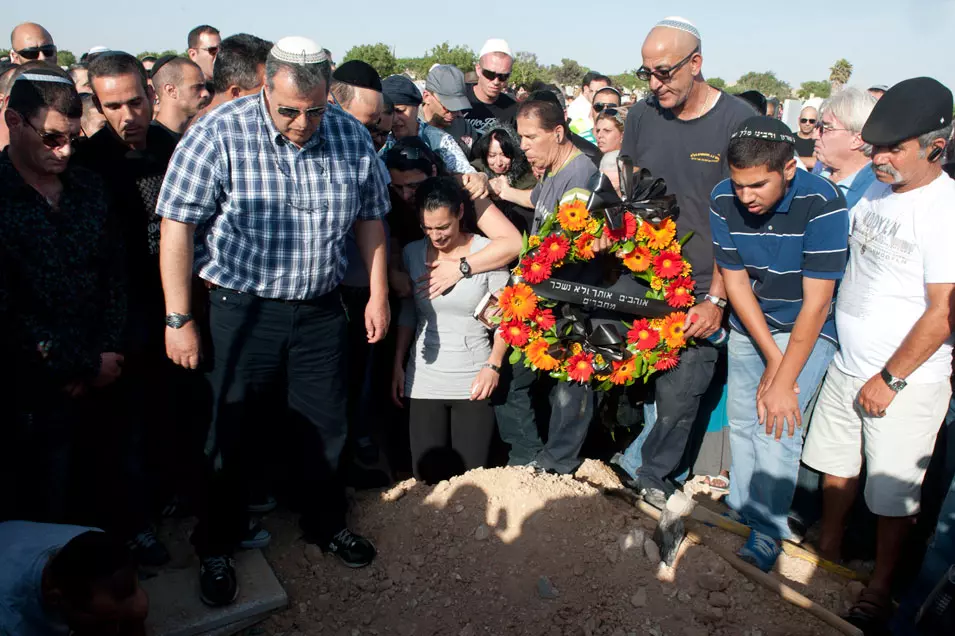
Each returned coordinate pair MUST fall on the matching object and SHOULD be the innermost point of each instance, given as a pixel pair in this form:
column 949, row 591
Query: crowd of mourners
column 227, row 278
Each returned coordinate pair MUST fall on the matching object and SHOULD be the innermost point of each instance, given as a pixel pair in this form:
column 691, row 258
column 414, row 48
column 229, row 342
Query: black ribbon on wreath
column 596, row 337
column 643, row 196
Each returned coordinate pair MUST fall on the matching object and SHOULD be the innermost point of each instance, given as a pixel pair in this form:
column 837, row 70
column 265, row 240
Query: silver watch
column 716, row 300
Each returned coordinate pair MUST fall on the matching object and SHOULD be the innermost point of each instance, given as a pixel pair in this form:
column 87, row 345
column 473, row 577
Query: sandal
column 871, row 613
column 717, row 483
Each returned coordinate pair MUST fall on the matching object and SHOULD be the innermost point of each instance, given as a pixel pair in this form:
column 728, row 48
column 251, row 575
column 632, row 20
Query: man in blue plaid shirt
column 267, row 187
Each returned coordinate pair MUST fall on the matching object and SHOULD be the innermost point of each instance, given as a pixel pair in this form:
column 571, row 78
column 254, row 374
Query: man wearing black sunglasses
column 30, row 41
column 805, row 140
column 204, row 43
column 490, row 106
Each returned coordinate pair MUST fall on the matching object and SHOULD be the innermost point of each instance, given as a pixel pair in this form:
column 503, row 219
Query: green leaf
column 638, row 366
column 686, row 238
column 515, row 356
column 628, row 246
column 524, row 244
column 548, row 224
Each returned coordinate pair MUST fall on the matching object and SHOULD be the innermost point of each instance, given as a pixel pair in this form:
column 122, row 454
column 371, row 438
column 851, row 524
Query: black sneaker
column 217, row 581
column 262, row 505
column 148, row 550
column 256, row 537
column 354, row 551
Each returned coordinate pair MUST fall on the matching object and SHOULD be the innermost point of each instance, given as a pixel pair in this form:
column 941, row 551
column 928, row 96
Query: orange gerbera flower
column 668, row 264
column 515, row 333
column 544, row 318
column 672, row 330
column 638, row 260
column 680, row 292
column 517, row 302
column 625, row 231
column 536, row 353
column 554, row 247
column 623, row 371
column 667, row 361
column 584, row 244
column 661, row 236
column 656, row 283
column 580, row 367
column 642, row 335
column 573, row 216
column 535, row 270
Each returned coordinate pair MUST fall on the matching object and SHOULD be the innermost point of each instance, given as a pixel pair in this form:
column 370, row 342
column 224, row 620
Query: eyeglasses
column 599, row 106
column 52, row 141
column 804, row 120
column 294, row 113
column 664, row 74
column 212, row 50
column 33, row 52
column 491, row 75
column 824, row 128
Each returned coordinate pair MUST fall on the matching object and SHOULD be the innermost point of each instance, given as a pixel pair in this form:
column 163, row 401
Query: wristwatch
column 177, row 321
column 465, row 268
column 492, row 367
column 896, row 384
column 716, row 300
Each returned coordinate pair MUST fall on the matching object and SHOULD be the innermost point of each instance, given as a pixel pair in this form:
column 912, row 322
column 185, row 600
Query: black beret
column 401, row 90
column 358, row 73
column 765, row 128
column 911, row 108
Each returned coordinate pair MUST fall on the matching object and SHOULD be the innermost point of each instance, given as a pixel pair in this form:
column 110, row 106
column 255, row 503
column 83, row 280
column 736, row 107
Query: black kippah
column 765, row 128
column 358, row 73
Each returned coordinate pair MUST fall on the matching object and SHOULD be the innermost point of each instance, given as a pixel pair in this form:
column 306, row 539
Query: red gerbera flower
column 643, row 336
column 554, row 248
column 544, row 319
column 680, row 292
column 667, row 361
column 515, row 333
column 580, row 367
column 625, row 231
column 668, row 264
column 535, row 270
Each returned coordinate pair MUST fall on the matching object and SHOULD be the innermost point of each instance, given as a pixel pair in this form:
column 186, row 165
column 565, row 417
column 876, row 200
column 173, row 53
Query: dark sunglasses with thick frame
column 491, row 75
column 53, row 141
column 806, row 120
column 600, row 106
column 664, row 74
column 295, row 113
column 33, row 52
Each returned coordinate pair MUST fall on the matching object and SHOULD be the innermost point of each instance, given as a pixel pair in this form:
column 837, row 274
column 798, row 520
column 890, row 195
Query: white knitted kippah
column 680, row 24
column 298, row 50
column 42, row 77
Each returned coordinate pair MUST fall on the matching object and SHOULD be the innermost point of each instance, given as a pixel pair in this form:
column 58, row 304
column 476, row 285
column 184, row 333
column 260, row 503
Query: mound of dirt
column 509, row 551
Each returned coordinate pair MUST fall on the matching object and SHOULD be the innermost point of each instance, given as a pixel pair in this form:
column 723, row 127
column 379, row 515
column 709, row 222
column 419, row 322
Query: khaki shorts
column 897, row 448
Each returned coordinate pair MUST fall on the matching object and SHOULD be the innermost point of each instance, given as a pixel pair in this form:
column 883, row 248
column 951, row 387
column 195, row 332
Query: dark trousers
column 360, row 357
column 260, row 346
column 571, row 409
column 467, row 425
column 678, row 393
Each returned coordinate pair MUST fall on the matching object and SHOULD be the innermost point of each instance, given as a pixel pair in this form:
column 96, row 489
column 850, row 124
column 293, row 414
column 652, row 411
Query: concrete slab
column 175, row 608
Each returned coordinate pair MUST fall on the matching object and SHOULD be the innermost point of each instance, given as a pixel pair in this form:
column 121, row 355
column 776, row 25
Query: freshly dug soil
column 507, row 551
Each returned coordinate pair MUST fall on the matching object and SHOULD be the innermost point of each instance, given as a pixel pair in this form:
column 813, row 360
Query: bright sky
column 885, row 40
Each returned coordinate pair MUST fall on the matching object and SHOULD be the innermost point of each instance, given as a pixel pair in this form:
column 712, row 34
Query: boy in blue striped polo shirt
column 780, row 237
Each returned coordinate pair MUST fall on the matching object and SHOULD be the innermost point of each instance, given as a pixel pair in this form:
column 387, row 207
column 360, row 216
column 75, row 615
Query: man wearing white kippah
column 490, row 106
column 274, row 182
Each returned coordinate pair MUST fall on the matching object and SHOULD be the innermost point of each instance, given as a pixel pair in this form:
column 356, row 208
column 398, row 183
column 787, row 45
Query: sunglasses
column 52, row 141
column 804, row 120
column 599, row 106
column 212, row 50
column 824, row 128
column 33, row 52
column 491, row 75
column 664, row 74
column 294, row 113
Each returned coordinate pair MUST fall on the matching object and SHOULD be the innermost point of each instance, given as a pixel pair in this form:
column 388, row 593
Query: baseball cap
column 447, row 83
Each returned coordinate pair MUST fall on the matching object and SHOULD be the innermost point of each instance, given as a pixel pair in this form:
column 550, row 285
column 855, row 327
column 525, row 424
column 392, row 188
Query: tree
column 811, row 89
column 5, row 53
column 527, row 70
column 65, row 58
column 156, row 55
column 717, row 82
column 840, row 73
column 629, row 81
column 766, row 83
column 378, row 56
column 461, row 56
column 569, row 73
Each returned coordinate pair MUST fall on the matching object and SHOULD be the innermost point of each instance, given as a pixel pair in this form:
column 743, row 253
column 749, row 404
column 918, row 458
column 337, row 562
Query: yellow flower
column 592, row 226
column 660, row 237
column 534, row 241
column 656, row 283
column 576, row 348
column 687, row 269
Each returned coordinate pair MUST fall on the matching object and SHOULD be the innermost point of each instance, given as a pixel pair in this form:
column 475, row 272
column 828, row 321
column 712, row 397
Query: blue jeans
column 764, row 470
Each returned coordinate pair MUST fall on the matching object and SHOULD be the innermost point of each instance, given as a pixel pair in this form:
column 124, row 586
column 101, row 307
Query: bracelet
column 492, row 367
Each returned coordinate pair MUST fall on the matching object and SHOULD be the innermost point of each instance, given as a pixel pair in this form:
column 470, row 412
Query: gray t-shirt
column 25, row 549
column 691, row 157
column 577, row 172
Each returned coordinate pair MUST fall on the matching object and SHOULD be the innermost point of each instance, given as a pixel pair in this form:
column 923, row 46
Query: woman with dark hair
column 608, row 129
column 498, row 155
column 452, row 369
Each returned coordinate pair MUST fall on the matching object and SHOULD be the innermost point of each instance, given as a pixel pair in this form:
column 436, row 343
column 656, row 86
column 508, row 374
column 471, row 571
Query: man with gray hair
column 839, row 144
column 273, row 182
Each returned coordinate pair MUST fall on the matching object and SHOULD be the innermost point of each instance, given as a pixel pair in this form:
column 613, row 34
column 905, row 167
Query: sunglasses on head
column 491, row 75
column 599, row 106
column 664, row 74
column 806, row 120
column 295, row 113
column 51, row 140
column 33, row 52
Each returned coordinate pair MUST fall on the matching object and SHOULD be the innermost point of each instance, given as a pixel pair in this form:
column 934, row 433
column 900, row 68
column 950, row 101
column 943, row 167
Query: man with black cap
column 356, row 88
column 444, row 102
column 780, row 239
column 887, row 390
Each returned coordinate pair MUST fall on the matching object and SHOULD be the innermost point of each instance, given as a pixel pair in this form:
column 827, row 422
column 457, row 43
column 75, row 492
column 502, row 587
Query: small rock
column 631, row 540
column 578, row 570
column 482, row 532
column 545, row 589
column 668, row 590
column 469, row 630
column 708, row 614
column 749, row 587
column 718, row 599
column 302, row 608
column 711, row 582
column 639, row 599
column 313, row 553
column 611, row 553
column 652, row 551
column 683, row 596
column 460, row 508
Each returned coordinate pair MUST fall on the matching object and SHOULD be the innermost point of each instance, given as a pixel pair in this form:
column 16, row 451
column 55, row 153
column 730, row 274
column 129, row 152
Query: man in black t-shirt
column 680, row 133
column 805, row 144
column 490, row 107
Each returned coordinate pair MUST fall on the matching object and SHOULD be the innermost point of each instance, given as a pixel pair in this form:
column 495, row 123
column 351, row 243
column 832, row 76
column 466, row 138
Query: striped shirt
column 272, row 217
column 806, row 235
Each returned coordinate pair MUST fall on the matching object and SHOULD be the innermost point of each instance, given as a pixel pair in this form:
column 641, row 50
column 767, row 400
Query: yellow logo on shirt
column 705, row 157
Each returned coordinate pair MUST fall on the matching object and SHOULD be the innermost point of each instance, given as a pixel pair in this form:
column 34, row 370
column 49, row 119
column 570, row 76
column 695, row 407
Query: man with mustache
column 887, row 389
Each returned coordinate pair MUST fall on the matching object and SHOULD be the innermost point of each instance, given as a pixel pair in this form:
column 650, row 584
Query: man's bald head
column 30, row 41
column 672, row 53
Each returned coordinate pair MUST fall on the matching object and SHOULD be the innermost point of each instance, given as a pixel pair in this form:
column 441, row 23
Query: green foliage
column 157, row 55
column 5, row 53
column 528, row 70
column 717, row 82
column 766, row 83
column 378, row 55
column 65, row 58
column 569, row 73
column 629, row 81
column 461, row 56
column 810, row 88
column 840, row 72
